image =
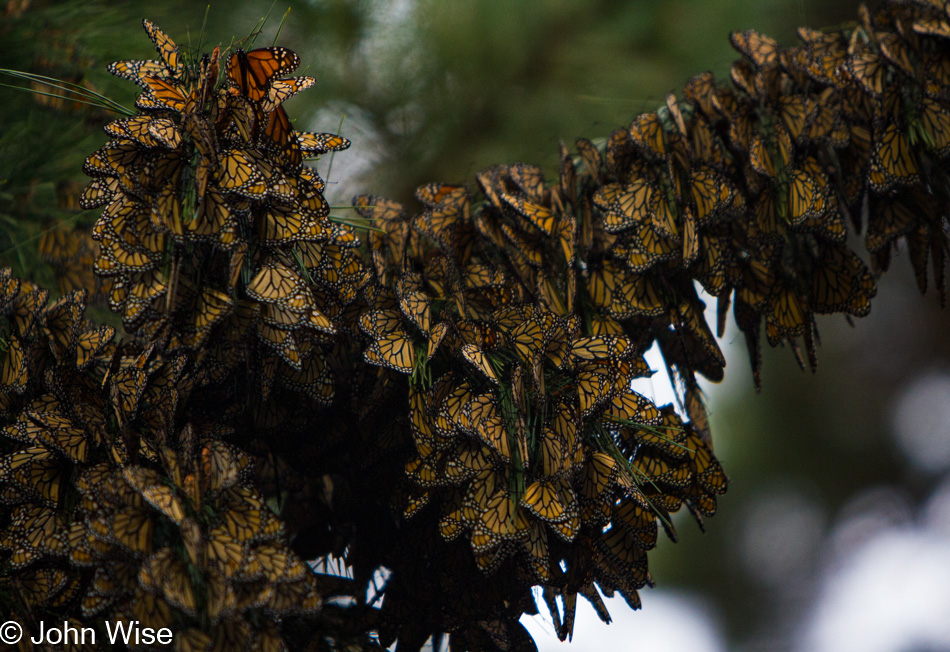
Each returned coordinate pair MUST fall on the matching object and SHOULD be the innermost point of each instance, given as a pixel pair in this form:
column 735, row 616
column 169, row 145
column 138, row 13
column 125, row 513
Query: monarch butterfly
column 282, row 342
column 236, row 172
column 542, row 499
column 690, row 237
column 654, row 468
column 842, row 283
column 760, row 49
column 222, row 465
column 742, row 126
column 619, row 153
column 827, row 123
column 247, row 518
column 439, row 224
column 528, row 339
column 114, row 159
column 130, row 527
column 796, row 112
column 666, row 437
column 468, row 459
column 567, row 175
column 135, row 128
column 705, row 146
column 599, row 349
column 638, row 521
column 415, row 305
column 155, row 492
column 648, row 135
column 314, row 144
column 591, row 157
column 743, row 75
column 282, row 139
column 491, row 181
column 706, row 469
column 691, row 345
column 600, row 471
column 379, row 322
column 620, row 546
column 771, row 158
column 162, row 94
column 935, row 74
column 39, row 533
column 699, row 89
column 291, row 598
column 394, row 350
column 933, row 125
column 808, row 198
column 541, row 217
column 501, row 517
column 823, row 54
column 373, row 207
column 453, row 198
column 280, row 564
column 282, row 90
column 889, row 219
column 62, row 321
column 252, row 72
column 213, row 221
column 637, row 296
column 530, row 179
column 645, row 248
column 554, row 454
column 115, row 259
column 712, row 269
column 210, row 307
column 34, row 473
column 137, row 71
column 66, row 439
column 626, row 205
column 869, row 69
column 15, row 370
column 275, row 282
column 630, row 407
column 91, row 343
column 536, row 545
column 166, row 48
column 490, row 427
column 165, row 575
column 892, row 161
column 787, row 314
column 919, row 245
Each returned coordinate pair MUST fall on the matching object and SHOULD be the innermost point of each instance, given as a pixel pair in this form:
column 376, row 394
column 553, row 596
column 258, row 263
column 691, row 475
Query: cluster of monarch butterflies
column 521, row 314
column 748, row 190
column 211, row 214
column 453, row 401
column 531, row 450
column 114, row 511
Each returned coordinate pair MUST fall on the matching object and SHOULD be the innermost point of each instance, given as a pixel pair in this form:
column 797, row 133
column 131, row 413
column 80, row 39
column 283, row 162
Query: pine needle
column 78, row 93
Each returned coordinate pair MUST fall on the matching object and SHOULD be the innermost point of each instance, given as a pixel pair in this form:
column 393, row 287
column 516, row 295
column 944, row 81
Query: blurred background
column 835, row 533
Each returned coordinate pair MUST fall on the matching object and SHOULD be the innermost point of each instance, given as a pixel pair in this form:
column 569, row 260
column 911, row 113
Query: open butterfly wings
column 253, row 73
